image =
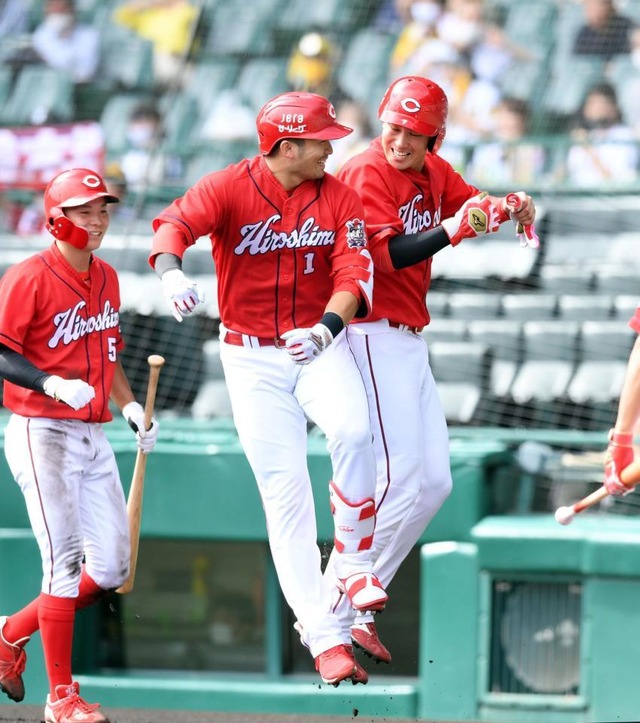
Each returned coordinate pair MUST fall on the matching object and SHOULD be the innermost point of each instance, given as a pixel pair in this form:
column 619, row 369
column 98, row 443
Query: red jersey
column 402, row 202
column 62, row 326
column 278, row 256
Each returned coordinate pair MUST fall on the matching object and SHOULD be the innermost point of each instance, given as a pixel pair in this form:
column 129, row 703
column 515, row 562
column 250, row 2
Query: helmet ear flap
column 64, row 229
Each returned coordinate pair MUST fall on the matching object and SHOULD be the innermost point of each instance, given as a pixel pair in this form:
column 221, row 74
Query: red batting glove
column 522, row 211
column 619, row 455
column 478, row 216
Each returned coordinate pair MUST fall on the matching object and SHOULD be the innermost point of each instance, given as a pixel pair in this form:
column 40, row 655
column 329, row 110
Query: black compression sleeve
column 409, row 249
column 165, row 261
column 18, row 370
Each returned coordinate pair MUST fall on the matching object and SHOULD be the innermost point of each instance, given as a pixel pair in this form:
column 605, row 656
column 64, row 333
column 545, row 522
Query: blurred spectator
column 14, row 18
column 508, row 160
column 230, row 118
column 144, row 163
column 393, row 15
column 65, row 44
column 353, row 115
column 605, row 32
column 311, row 65
column 123, row 213
column 170, row 25
column 604, row 151
column 419, row 27
column 461, row 24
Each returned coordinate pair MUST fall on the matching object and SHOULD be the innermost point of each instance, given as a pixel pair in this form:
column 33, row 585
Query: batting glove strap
column 182, row 294
column 618, row 456
column 517, row 205
column 146, row 439
column 478, row 216
column 74, row 392
column 304, row 345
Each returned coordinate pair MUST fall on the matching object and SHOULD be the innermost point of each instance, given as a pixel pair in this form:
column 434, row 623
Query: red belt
column 405, row 327
column 236, row 339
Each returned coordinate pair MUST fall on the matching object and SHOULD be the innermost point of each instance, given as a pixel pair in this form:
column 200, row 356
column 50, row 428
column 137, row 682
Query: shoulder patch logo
column 356, row 237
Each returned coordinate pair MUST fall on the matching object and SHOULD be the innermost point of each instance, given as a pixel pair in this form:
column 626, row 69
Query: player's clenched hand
column 146, row 438
column 522, row 210
column 182, row 294
column 304, row 345
column 74, row 392
column 619, row 455
column 480, row 215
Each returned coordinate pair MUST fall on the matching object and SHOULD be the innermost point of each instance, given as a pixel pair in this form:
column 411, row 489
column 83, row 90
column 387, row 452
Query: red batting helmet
column 418, row 104
column 68, row 189
column 297, row 115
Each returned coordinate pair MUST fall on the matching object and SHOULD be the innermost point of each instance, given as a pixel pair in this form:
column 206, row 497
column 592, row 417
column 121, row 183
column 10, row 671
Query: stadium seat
column 461, row 371
column 596, row 384
column 127, row 61
column 241, row 29
column 338, row 16
column 569, row 83
column 211, row 360
column 624, row 306
column 40, row 94
column 617, row 280
column 212, row 400
column 566, row 279
column 470, row 305
column 584, row 306
column 208, row 78
column 549, row 360
column 529, row 306
column 443, row 329
column 438, row 304
column 366, row 63
column 261, row 79
column 114, row 118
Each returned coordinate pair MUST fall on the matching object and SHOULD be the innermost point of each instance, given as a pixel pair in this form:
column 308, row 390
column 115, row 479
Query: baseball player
column 59, row 344
column 290, row 251
column 620, row 454
column 415, row 204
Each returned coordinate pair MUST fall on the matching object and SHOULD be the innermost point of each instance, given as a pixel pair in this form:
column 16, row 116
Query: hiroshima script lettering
column 415, row 220
column 260, row 238
column 71, row 326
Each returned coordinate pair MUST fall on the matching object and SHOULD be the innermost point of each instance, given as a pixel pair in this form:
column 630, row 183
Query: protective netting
column 519, row 337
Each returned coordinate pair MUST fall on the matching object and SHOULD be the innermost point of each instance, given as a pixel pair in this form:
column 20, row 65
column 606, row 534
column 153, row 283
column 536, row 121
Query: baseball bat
column 134, row 501
column 630, row 476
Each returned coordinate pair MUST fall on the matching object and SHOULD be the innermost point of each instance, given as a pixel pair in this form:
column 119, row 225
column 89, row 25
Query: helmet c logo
column 91, row 181
column 410, row 105
column 332, row 111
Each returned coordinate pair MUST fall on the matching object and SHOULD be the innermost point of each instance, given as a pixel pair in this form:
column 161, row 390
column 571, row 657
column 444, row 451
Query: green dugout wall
column 520, row 619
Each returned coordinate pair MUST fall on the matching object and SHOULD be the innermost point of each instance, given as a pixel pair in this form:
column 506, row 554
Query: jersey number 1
column 308, row 263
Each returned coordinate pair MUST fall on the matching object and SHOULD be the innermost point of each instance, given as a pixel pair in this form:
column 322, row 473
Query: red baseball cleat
column 364, row 591
column 71, row 708
column 336, row 664
column 365, row 637
column 12, row 663
column 361, row 675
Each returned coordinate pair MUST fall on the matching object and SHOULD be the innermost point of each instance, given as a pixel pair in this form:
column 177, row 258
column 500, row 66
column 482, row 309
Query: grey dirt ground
column 33, row 714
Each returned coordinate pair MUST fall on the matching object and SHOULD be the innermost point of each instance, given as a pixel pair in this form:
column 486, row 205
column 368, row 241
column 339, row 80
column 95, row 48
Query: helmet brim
column 330, row 133
column 87, row 198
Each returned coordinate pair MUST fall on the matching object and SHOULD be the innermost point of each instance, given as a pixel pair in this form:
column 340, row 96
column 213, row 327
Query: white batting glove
column 182, row 294
column 478, row 216
column 133, row 412
column 304, row 345
column 522, row 211
column 74, row 392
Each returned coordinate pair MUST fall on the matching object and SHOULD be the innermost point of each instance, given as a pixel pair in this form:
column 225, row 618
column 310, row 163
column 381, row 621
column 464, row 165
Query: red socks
column 56, row 616
column 24, row 623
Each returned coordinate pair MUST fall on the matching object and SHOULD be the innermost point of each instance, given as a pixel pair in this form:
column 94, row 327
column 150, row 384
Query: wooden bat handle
column 134, row 501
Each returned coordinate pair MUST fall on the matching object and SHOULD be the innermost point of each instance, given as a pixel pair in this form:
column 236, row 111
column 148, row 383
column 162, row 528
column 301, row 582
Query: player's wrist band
column 333, row 322
column 165, row 262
